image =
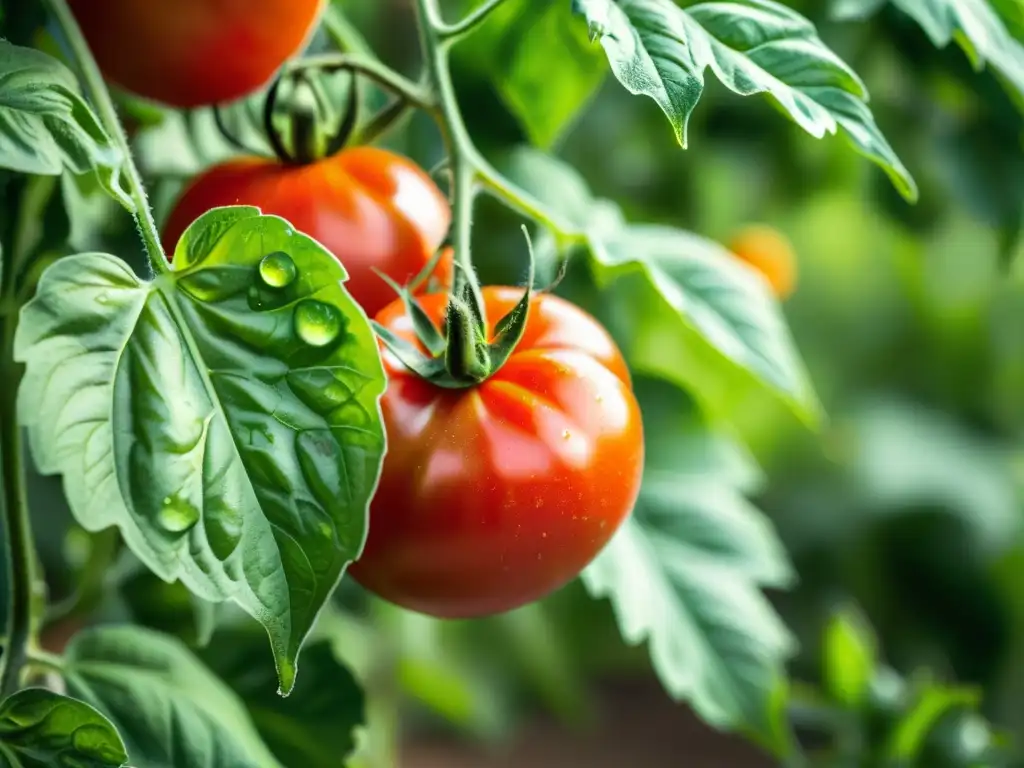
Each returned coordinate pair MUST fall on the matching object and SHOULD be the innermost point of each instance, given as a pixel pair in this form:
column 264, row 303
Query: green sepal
column 307, row 136
column 466, row 354
column 426, row 331
column 432, row 369
column 337, row 141
column 428, row 269
column 460, row 355
column 509, row 330
column 474, row 301
column 429, row 368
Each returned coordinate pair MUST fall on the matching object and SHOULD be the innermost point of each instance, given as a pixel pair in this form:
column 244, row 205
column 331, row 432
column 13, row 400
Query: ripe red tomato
column 188, row 53
column 493, row 496
column 371, row 208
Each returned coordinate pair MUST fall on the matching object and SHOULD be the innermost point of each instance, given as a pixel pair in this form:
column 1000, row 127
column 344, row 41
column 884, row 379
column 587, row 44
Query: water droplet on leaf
column 255, row 299
column 278, row 270
column 316, row 323
column 177, row 515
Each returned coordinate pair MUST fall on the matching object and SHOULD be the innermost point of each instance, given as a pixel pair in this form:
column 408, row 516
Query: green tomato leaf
column 554, row 183
column 696, row 552
column 42, row 729
column 851, row 656
column 224, row 417
column 540, row 63
column 1012, row 14
column 975, row 26
column 680, row 306
column 659, row 50
column 170, row 709
column 315, row 726
column 46, row 126
column 687, row 310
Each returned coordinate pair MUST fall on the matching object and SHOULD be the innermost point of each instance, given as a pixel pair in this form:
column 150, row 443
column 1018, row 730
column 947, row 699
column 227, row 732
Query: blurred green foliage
column 910, row 319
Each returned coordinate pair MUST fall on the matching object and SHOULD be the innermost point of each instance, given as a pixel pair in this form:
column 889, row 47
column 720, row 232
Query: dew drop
column 316, row 323
column 177, row 515
column 278, row 270
column 255, row 299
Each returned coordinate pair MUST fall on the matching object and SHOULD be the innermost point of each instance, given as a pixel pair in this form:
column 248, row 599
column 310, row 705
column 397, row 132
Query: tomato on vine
column 378, row 212
column 191, row 53
column 373, row 209
column 496, row 493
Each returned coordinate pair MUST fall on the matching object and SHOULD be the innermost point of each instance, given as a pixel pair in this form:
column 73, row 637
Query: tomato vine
column 97, row 89
column 17, row 527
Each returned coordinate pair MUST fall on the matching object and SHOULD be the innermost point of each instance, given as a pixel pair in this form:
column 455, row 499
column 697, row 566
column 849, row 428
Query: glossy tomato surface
column 494, row 496
column 371, row 208
column 188, row 53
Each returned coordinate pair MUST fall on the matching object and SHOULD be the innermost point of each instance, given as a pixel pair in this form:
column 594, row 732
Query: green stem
column 100, row 97
column 464, row 159
column 25, row 238
column 474, row 19
column 343, row 33
column 380, row 73
column 17, row 527
column 527, row 205
column 45, row 660
column 384, row 120
column 469, row 170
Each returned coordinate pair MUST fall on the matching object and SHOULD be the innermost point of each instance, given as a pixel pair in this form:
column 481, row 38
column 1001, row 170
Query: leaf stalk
column 97, row 91
column 17, row 528
column 468, row 24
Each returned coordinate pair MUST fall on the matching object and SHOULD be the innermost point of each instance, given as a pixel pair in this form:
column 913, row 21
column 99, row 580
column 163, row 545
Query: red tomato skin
column 190, row 53
column 494, row 496
column 371, row 208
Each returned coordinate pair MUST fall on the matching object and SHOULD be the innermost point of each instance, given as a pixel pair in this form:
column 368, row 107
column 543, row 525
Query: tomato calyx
column 463, row 353
column 312, row 128
column 310, row 133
